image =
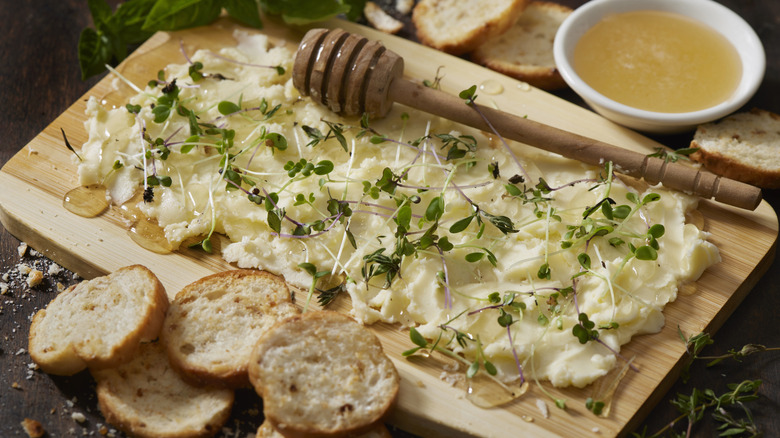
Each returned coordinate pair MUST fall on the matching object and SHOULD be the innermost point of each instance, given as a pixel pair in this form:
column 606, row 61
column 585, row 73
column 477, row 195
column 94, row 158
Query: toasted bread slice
column 743, row 146
column 213, row 324
column 460, row 26
column 380, row 19
column 266, row 430
column 147, row 398
column 525, row 51
column 98, row 323
column 322, row 374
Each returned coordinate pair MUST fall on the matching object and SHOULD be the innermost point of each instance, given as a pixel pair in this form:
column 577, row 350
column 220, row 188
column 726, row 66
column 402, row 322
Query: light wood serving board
column 35, row 180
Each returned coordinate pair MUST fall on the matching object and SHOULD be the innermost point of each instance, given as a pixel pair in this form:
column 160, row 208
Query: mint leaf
column 305, row 11
column 181, row 14
column 129, row 19
column 245, row 11
column 100, row 10
column 94, row 53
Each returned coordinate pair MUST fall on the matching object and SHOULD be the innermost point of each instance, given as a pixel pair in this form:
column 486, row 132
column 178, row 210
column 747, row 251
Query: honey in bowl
column 658, row 61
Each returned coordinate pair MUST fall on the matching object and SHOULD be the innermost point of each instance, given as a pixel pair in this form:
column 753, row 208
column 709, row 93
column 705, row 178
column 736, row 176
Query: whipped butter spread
column 289, row 183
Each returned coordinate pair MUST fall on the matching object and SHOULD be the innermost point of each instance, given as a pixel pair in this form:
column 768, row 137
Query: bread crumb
column 3, row 288
column 543, row 408
column 22, row 249
column 33, row 428
column 404, row 6
column 16, row 385
column 452, row 366
column 34, row 278
column 23, row 269
column 54, row 269
column 78, row 417
column 451, row 379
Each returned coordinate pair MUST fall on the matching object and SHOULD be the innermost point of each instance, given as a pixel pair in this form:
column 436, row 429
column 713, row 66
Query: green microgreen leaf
column 468, row 94
column 417, row 338
column 226, row 107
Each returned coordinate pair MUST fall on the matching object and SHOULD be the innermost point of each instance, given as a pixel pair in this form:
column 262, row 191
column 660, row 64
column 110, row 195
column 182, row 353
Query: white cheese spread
column 528, row 258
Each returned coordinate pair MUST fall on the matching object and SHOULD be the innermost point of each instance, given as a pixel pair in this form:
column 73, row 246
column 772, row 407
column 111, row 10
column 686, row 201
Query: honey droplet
column 149, row 235
column 86, row 201
column 145, row 232
column 604, row 388
column 486, row 392
column 491, row 86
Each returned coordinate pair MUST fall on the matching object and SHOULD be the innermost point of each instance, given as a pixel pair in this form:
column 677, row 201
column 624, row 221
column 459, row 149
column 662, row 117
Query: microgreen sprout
column 672, row 156
column 67, row 145
column 436, row 82
column 315, row 276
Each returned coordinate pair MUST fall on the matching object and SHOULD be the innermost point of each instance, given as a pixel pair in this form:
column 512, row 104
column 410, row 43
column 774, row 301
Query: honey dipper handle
column 653, row 170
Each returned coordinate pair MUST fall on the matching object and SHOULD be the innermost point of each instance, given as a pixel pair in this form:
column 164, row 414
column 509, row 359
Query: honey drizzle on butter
column 144, row 231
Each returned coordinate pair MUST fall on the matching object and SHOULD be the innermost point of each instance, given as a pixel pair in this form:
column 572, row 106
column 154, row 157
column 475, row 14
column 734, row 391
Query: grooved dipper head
column 347, row 73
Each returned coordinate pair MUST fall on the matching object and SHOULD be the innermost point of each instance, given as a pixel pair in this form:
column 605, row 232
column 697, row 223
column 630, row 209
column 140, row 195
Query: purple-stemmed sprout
column 469, row 96
column 279, row 69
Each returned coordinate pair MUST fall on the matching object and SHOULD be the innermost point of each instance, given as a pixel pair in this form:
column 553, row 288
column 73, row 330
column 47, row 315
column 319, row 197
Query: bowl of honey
column 660, row 66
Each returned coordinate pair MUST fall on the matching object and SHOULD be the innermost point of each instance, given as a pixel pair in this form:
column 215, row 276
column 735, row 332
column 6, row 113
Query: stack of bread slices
column 170, row 369
column 514, row 37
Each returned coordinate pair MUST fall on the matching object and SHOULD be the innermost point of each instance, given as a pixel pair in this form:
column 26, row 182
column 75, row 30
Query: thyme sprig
column 694, row 405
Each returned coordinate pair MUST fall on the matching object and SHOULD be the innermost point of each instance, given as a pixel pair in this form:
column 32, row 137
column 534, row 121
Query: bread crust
column 736, row 147
column 465, row 31
column 70, row 334
column 213, row 324
column 524, row 51
column 327, row 363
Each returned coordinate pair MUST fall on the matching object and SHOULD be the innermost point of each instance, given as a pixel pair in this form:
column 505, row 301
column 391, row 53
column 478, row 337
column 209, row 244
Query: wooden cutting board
column 35, row 180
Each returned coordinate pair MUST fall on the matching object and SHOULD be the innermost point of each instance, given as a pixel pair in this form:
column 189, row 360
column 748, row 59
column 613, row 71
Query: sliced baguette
column 147, row 398
column 743, row 146
column 460, row 26
column 380, row 19
column 321, row 374
column 525, row 51
column 213, row 324
column 98, row 323
column 266, row 430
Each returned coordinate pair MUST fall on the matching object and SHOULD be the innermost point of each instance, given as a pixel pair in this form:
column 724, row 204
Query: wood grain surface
column 34, row 180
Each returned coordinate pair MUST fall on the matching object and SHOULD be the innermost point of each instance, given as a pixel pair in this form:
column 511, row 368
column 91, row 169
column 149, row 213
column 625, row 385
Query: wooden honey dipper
column 352, row 75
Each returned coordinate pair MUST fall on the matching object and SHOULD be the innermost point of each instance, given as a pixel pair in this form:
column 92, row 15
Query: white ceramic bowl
column 731, row 25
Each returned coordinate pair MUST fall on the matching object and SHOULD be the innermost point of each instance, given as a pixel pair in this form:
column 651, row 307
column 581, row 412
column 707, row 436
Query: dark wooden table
column 40, row 78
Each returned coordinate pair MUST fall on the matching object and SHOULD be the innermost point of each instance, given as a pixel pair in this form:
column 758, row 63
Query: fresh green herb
column 436, row 82
column 594, row 406
column 673, row 156
column 133, row 109
column 67, row 145
column 327, row 296
column 694, row 405
column 315, row 276
column 117, row 32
